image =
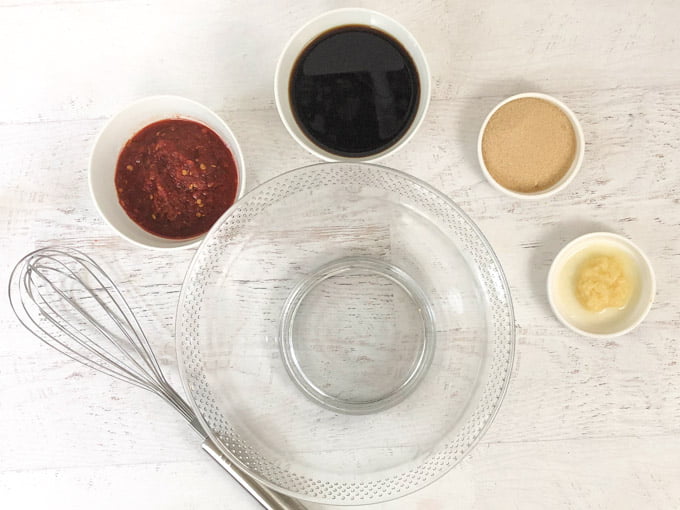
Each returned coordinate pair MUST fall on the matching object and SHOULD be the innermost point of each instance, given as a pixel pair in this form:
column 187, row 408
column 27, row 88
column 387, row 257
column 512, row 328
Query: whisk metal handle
column 267, row 498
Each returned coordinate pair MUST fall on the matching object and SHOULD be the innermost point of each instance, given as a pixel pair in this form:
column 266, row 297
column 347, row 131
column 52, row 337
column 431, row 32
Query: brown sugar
column 528, row 145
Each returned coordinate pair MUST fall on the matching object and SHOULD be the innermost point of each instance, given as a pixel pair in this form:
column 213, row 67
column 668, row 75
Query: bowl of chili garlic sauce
column 163, row 170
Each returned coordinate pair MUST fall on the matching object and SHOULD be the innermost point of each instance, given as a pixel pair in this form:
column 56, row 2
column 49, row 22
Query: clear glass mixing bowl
column 346, row 333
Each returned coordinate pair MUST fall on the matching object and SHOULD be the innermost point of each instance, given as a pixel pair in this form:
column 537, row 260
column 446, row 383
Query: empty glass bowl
column 346, row 333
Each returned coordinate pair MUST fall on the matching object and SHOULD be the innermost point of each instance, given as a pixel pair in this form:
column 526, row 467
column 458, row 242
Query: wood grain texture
column 585, row 424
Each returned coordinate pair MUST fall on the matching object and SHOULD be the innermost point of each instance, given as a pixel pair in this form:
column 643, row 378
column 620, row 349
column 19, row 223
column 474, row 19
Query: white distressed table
column 586, row 423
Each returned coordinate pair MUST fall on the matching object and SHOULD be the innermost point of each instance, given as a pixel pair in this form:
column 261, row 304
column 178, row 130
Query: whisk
column 65, row 299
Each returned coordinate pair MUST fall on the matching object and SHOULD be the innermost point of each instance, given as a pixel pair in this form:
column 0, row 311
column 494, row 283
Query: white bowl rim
column 566, row 179
column 590, row 238
column 235, row 148
column 423, row 75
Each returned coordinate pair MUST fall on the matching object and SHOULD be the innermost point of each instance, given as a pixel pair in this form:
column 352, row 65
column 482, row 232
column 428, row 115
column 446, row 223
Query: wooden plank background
column 585, row 424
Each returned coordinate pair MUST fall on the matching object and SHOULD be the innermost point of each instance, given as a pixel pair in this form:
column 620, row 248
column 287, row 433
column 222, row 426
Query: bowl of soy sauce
column 352, row 85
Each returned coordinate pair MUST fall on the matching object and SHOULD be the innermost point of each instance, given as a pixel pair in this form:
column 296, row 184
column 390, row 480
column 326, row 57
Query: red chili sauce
column 175, row 178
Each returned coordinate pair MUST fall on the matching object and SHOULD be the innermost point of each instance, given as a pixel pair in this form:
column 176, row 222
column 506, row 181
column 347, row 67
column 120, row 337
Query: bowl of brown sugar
column 530, row 146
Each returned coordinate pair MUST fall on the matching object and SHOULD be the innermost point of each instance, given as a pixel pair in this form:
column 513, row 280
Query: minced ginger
column 602, row 282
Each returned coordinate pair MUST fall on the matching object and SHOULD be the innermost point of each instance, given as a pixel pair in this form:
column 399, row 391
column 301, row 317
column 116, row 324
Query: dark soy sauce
column 354, row 91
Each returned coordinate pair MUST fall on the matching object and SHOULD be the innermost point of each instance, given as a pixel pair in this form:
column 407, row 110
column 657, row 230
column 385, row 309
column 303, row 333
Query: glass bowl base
column 357, row 335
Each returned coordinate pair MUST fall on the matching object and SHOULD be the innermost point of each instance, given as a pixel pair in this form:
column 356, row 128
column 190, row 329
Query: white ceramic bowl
column 323, row 23
column 117, row 131
column 619, row 323
column 568, row 176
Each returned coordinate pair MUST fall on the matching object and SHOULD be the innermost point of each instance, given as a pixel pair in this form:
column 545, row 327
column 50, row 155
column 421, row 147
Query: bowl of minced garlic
column 601, row 285
column 530, row 146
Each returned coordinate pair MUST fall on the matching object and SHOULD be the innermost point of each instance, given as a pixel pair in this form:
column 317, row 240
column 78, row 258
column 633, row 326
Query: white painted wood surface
column 586, row 423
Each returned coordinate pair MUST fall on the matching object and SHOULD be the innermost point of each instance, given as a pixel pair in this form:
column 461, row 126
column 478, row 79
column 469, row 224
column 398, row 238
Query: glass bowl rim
column 181, row 358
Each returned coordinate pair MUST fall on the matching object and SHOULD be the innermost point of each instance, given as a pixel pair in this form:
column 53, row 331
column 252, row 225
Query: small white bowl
column 566, row 178
column 619, row 323
column 108, row 145
column 317, row 26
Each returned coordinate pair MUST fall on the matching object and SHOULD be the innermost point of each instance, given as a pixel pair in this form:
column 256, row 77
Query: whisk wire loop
column 66, row 300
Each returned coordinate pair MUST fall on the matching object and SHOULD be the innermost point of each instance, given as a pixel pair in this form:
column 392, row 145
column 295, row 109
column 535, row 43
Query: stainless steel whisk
column 65, row 299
